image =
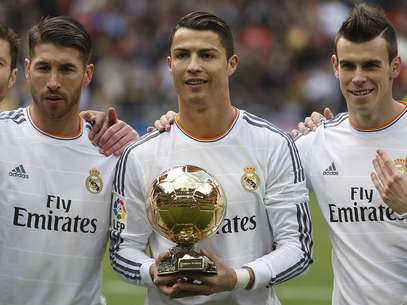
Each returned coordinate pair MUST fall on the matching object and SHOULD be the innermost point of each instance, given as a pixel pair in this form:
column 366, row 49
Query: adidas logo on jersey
column 331, row 170
column 19, row 171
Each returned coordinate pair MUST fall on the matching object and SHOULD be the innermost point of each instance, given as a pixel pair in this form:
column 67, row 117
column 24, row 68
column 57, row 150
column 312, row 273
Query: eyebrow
column 369, row 61
column 46, row 62
column 200, row 50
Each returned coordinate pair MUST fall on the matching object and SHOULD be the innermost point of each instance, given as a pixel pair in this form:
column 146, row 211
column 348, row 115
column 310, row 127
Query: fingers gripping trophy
column 185, row 205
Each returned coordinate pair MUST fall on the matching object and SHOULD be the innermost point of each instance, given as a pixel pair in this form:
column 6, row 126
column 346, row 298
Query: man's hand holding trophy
column 185, row 205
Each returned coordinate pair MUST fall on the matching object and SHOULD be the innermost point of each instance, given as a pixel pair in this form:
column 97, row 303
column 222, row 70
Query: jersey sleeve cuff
column 145, row 274
column 262, row 274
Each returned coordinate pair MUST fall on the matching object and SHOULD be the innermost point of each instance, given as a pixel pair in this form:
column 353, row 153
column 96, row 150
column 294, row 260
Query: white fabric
column 53, row 231
column 276, row 211
column 369, row 241
column 242, row 278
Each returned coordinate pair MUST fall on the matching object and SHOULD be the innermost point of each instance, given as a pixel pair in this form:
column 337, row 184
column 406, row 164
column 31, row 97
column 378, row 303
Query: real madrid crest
column 94, row 182
column 400, row 165
column 250, row 181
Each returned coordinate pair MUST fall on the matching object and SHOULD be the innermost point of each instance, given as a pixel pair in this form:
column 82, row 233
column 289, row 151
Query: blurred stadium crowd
column 284, row 49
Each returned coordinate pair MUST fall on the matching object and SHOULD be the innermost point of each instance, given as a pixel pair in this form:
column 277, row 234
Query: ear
column 335, row 65
column 27, row 64
column 13, row 78
column 89, row 69
column 169, row 62
column 232, row 64
column 395, row 67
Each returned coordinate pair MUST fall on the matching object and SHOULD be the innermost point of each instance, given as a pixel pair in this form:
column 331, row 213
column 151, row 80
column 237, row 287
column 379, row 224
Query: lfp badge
column 119, row 209
column 120, row 212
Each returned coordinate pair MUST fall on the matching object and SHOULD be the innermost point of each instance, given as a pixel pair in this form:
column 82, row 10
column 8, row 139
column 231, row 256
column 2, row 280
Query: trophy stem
column 183, row 258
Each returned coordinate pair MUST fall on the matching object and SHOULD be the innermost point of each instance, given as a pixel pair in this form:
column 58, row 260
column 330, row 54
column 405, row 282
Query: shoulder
column 142, row 147
column 15, row 117
column 322, row 133
column 329, row 125
column 145, row 142
column 259, row 125
column 336, row 121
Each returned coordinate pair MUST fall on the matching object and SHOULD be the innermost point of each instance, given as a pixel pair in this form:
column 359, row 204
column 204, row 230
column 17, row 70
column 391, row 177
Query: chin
column 197, row 97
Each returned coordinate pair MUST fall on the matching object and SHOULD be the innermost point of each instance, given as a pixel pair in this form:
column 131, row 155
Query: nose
column 194, row 65
column 53, row 82
column 359, row 78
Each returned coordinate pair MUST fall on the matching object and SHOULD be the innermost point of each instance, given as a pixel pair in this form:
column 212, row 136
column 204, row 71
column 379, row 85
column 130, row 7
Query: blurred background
column 284, row 74
column 284, row 49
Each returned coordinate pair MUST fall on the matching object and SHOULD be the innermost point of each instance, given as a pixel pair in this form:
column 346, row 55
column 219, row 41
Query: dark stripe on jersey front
column 336, row 120
column 16, row 116
column 295, row 159
column 305, row 231
column 119, row 176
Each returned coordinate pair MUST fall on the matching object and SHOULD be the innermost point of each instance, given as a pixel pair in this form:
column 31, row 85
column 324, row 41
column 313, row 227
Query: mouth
column 363, row 92
column 53, row 98
column 195, row 82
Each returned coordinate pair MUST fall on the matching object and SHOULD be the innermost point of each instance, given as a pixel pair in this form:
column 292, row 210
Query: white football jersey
column 54, row 215
column 369, row 240
column 272, row 211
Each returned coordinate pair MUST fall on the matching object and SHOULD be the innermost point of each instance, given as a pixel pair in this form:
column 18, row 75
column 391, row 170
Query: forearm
column 279, row 266
column 293, row 254
column 131, row 263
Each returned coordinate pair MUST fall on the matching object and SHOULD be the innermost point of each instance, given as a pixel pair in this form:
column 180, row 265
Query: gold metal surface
column 185, row 205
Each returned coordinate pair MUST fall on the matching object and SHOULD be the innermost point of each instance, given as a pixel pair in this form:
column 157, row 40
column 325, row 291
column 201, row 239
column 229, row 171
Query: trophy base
column 185, row 259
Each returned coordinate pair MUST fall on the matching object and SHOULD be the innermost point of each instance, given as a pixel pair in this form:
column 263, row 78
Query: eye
column 207, row 55
column 372, row 66
column 181, row 55
column 42, row 68
column 67, row 68
column 347, row 66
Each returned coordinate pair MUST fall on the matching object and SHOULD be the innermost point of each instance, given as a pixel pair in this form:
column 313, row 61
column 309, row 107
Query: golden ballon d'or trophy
column 185, row 205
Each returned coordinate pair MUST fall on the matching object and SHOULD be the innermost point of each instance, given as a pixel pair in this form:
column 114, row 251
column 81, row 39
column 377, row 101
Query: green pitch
column 313, row 288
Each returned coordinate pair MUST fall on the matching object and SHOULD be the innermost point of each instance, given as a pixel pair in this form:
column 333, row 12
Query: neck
column 68, row 126
column 206, row 123
column 376, row 119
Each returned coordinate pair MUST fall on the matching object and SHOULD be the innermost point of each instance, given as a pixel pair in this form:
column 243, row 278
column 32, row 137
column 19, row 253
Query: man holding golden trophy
column 219, row 202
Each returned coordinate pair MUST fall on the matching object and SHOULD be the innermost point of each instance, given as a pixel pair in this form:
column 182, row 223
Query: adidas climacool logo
column 331, row 170
column 19, row 171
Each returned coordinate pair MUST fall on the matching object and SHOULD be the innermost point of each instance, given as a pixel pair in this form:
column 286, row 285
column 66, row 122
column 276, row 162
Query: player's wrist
column 244, row 278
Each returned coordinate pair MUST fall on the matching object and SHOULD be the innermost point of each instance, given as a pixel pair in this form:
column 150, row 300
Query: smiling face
column 365, row 75
column 56, row 76
column 199, row 66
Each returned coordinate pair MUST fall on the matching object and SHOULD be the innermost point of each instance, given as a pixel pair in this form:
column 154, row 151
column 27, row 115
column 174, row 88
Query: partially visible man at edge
column 369, row 240
column 55, row 186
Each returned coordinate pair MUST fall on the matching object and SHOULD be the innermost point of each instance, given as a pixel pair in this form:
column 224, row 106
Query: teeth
column 362, row 92
column 195, row 82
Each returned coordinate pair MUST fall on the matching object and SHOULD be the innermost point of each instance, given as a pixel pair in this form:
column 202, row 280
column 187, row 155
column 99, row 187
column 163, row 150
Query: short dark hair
column 204, row 21
column 366, row 23
column 8, row 35
column 62, row 31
